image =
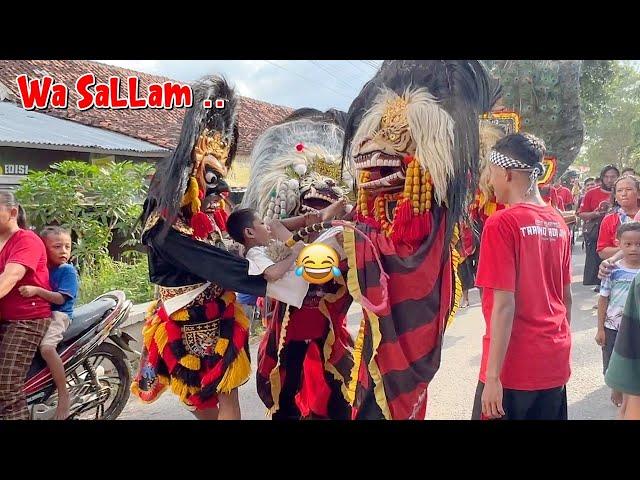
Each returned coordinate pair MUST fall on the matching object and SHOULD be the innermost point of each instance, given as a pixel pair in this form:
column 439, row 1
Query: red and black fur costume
column 412, row 137
column 305, row 356
column 195, row 335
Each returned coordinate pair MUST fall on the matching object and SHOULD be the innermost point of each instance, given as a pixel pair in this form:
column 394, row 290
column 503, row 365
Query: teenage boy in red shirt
column 525, row 275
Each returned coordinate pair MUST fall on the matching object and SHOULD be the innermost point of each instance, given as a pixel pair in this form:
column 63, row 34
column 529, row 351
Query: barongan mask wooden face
column 210, row 155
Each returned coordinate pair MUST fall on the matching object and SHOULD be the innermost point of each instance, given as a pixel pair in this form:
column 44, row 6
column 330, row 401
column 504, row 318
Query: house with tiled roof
column 35, row 139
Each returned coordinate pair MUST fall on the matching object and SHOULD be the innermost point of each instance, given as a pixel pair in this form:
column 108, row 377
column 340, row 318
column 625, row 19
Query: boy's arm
column 607, row 265
column 279, row 230
column 567, row 298
column 504, row 307
column 298, row 222
column 52, row 297
column 309, row 218
column 277, row 270
column 603, row 304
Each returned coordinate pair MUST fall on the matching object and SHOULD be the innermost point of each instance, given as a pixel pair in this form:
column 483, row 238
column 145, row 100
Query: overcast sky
column 320, row 84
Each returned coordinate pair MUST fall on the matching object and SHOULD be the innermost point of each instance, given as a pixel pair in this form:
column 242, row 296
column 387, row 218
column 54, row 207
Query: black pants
column 467, row 271
column 607, row 349
column 591, row 264
column 550, row 404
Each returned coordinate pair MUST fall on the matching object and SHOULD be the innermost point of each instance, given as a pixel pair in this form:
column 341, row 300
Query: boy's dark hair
column 239, row 220
column 53, row 230
column 590, row 179
column 525, row 147
column 628, row 169
column 627, row 227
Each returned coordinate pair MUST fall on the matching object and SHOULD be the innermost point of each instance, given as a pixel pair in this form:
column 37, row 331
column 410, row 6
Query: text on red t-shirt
column 526, row 249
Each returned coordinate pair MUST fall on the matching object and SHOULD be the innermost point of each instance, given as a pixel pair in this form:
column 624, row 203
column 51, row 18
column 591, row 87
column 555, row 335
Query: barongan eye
column 210, row 177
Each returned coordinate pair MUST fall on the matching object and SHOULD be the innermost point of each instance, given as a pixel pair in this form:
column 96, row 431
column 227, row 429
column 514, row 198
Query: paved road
column 451, row 393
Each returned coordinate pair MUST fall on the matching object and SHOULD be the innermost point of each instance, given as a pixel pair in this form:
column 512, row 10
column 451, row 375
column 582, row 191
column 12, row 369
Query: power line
column 308, row 79
column 345, row 73
column 357, row 67
column 372, row 64
column 325, row 69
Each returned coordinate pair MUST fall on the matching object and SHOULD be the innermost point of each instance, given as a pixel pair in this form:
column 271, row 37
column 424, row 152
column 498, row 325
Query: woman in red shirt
column 626, row 190
column 23, row 321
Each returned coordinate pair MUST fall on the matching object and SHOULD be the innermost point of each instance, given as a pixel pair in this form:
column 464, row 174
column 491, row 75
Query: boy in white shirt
column 292, row 379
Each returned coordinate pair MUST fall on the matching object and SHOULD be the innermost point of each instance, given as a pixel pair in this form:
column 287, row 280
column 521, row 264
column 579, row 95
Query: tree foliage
column 613, row 133
column 546, row 95
column 94, row 202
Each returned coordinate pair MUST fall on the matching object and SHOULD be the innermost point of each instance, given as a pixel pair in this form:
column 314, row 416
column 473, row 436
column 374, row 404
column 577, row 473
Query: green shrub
column 94, row 202
column 132, row 277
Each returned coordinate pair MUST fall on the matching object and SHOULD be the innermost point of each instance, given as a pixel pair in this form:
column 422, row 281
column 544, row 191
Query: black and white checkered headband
column 501, row 160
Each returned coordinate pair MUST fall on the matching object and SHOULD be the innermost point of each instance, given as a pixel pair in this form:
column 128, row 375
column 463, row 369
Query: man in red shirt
column 564, row 194
column 595, row 205
column 550, row 197
column 23, row 321
column 525, row 274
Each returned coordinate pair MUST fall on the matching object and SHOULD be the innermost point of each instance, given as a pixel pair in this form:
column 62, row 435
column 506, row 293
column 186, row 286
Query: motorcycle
column 97, row 371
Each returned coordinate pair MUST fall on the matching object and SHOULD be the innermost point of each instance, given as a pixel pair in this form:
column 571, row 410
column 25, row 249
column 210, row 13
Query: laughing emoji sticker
column 317, row 263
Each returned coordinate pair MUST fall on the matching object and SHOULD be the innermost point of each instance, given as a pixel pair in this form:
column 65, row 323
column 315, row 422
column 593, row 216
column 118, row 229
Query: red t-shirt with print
column 25, row 248
column 526, row 249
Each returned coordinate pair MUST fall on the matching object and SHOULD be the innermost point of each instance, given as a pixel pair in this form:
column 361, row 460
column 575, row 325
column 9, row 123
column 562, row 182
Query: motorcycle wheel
column 119, row 381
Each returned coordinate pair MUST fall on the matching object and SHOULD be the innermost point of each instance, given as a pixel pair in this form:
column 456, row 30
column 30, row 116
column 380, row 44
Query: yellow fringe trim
column 191, row 196
column 357, row 358
column 455, row 262
column 161, row 337
column 180, row 316
column 356, row 293
column 135, row 389
column 327, row 348
column 353, row 285
column 457, row 296
column 240, row 317
column 221, row 346
column 149, row 330
column 181, row 389
column 190, row 361
column 490, row 208
column 374, row 370
column 237, row 373
column 151, row 309
column 228, row 297
column 274, row 375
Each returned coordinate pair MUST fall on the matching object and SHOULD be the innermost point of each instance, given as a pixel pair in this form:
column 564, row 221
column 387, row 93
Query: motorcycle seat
column 87, row 316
